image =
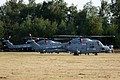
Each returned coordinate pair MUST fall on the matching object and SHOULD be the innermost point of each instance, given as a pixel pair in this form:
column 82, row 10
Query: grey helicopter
column 46, row 45
column 83, row 45
column 86, row 46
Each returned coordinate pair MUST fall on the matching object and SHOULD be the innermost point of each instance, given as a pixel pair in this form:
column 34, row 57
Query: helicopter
column 46, row 46
column 85, row 45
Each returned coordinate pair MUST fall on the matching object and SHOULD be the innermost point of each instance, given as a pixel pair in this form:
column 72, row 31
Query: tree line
column 55, row 17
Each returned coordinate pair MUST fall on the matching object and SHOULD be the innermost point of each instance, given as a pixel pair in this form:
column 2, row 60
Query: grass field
column 35, row 66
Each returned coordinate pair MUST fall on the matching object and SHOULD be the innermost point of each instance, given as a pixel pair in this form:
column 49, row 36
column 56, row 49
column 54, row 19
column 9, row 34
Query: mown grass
column 63, row 66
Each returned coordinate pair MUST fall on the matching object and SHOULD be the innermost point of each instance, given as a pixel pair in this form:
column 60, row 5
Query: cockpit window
column 28, row 42
column 99, row 43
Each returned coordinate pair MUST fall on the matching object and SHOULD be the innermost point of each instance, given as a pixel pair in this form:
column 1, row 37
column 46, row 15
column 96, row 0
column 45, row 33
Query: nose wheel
column 76, row 54
column 96, row 54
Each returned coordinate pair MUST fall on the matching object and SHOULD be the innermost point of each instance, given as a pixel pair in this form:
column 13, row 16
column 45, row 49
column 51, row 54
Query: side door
column 83, row 48
column 91, row 47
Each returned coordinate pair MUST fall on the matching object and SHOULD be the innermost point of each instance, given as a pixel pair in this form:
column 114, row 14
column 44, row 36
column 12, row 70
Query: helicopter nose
column 107, row 49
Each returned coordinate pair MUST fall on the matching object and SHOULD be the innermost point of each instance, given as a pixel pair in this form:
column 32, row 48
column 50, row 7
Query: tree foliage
column 55, row 17
column 115, row 9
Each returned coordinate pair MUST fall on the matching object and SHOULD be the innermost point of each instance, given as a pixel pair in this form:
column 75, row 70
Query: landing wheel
column 76, row 54
column 96, row 54
column 41, row 52
column 88, row 53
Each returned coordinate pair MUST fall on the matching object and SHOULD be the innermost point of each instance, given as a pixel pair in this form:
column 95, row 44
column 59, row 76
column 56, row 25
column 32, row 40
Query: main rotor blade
column 77, row 36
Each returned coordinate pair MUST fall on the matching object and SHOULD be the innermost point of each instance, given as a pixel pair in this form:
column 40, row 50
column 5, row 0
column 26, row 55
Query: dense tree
column 105, row 14
column 115, row 9
column 1, row 29
column 81, row 22
column 88, row 22
column 94, row 26
column 56, row 17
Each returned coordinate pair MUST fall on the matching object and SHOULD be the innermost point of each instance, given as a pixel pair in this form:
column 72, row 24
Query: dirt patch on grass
column 117, row 50
column 35, row 66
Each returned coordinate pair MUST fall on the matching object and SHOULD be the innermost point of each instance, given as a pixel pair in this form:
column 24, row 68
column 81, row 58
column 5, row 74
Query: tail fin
column 34, row 45
column 8, row 43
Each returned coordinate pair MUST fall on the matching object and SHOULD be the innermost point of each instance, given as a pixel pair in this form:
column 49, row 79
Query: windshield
column 100, row 44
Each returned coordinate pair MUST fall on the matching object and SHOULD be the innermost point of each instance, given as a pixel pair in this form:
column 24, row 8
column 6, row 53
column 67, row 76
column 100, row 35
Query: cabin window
column 28, row 42
column 91, row 46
